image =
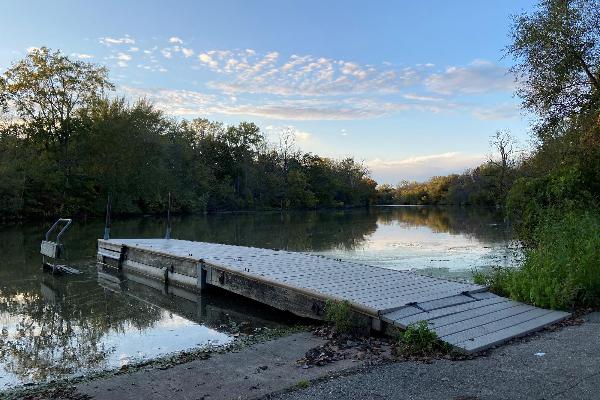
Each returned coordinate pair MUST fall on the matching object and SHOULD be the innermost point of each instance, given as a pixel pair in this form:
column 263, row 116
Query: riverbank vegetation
column 66, row 144
column 486, row 185
column 555, row 199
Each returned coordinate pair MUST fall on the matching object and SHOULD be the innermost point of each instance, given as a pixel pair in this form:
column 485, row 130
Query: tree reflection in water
column 59, row 333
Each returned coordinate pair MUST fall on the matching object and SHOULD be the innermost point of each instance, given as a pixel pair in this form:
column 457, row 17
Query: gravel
column 561, row 364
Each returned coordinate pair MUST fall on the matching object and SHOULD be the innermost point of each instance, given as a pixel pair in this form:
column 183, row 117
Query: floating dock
column 465, row 315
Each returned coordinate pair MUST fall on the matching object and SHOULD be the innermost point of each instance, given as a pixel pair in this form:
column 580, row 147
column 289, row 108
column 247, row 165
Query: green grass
column 418, row 340
column 562, row 271
column 303, row 384
column 340, row 315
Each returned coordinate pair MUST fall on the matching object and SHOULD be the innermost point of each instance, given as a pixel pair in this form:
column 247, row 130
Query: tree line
column 486, row 185
column 66, row 144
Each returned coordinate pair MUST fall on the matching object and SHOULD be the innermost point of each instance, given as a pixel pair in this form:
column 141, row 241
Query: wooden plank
column 494, row 326
column 402, row 313
column 109, row 254
column 472, row 313
column 491, row 339
column 484, row 295
column 445, row 302
column 431, row 315
column 497, row 317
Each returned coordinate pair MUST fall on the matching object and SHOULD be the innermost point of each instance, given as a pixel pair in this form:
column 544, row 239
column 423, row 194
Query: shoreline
column 269, row 368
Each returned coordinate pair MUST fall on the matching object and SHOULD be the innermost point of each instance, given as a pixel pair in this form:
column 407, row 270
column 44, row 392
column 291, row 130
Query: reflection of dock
column 465, row 315
column 211, row 310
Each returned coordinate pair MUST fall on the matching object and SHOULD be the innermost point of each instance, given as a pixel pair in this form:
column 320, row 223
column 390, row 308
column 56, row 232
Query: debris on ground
column 372, row 350
column 62, row 393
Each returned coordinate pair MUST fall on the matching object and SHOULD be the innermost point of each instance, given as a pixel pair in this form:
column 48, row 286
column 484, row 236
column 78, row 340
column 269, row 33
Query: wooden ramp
column 463, row 314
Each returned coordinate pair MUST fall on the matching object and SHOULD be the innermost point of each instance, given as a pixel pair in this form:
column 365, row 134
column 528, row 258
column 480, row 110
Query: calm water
column 51, row 327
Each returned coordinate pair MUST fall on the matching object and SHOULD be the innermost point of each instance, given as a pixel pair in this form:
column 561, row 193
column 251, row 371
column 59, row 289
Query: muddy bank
column 253, row 372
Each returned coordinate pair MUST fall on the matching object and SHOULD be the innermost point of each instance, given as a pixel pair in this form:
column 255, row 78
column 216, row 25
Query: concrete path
column 564, row 364
column 250, row 373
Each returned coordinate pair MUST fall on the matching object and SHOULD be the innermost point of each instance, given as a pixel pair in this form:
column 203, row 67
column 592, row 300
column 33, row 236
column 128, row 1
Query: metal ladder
column 55, row 250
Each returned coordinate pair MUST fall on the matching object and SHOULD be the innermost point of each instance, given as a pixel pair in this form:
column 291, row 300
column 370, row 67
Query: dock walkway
column 462, row 314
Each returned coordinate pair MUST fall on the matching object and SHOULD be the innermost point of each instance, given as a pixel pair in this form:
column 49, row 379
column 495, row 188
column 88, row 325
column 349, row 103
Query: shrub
column 496, row 279
column 419, row 340
column 340, row 315
column 529, row 199
column 563, row 270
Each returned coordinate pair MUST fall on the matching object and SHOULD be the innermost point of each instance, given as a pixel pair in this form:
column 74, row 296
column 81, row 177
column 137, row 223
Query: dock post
column 168, row 232
column 107, row 221
column 201, row 275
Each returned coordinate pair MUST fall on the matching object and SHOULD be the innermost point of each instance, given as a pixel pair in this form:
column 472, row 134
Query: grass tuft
column 418, row 340
column 340, row 315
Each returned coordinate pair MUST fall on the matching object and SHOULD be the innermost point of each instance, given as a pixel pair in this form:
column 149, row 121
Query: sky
column 412, row 89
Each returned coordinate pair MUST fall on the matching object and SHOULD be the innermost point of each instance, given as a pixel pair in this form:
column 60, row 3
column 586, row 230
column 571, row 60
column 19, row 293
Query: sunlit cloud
column 497, row 112
column 187, row 52
column 478, row 77
column 422, row 167
column 307, row 109
column 300, row 137
column 82, row 56
column 109, row 41
column 176, row 40
column 250, row 72
column 174, row 102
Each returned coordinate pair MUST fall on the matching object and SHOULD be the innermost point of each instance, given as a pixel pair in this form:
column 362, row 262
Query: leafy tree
column 47, row 88
column 557, row 48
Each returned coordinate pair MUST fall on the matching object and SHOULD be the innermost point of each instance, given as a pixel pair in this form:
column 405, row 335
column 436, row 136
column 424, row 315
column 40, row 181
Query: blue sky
column 413, row 89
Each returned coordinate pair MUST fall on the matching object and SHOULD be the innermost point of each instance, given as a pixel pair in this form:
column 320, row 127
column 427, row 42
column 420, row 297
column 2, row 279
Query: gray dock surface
column 462, row 314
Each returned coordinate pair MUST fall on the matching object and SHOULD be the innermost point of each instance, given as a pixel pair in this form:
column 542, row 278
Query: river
column 53, row 327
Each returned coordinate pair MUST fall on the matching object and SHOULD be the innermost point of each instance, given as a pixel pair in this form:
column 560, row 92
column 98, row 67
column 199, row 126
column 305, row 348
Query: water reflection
column 56, row 326
column 447, row 242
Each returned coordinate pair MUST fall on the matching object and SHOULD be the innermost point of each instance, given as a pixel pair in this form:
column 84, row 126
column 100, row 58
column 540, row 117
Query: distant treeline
column 486, row 185
column 65, row 146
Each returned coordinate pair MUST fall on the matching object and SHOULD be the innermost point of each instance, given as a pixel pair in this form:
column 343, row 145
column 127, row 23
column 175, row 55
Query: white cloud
column 251, row 72
column 175, row 102
column 306, row 87
column 108, row 41
column 417, row 97
column 280, row 109
column 496, row 112
column 32, row 49
column 187, row 52
column 420, row 168
column 82, row 56
column 176, row 40
column 478, row 77
column 134, row 49
column 207, row 59
column 123, row 57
